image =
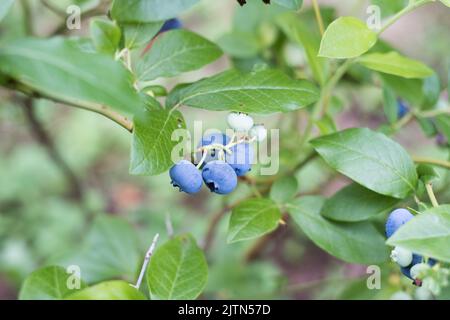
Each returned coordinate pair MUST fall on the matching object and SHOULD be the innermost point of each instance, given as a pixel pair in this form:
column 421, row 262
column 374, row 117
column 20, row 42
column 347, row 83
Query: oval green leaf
column 177, row 270
column 284, row 189
column 346, row 37
column 105, row 35
column 253, row 218
column 370, row 159
column 357, row 242
column 110, row 290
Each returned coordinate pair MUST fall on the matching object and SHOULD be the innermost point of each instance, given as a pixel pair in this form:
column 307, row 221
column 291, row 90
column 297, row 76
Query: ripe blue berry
column 396, row 219
column 186, row 176
column 214, row 138
column 241, row 158
column 402, row 109
column 170, row 25
column 219, row 177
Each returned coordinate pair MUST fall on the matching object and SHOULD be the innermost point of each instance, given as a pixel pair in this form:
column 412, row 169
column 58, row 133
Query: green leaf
column 370, row 159
column 57, row 68
column 326, row 125
column 297, row 31
column 290, row 4
column 175, row 52
column 346, row 37
column 390, row 7
column 177, row 270
column 446, row 2
column 426, row 173
column 152, row 141
column 356, row 203
column 111, row 249
column 253, row 218
column 395, row 64
column 408, row 89
column 149, row 10
column 390, row 104
column 5, row 5
column 443, row 124
column 240, row 44
column 138, row 34
column 48, row 283
column 265, row 91
column 105, row 35
column 427, row 234
column 357, row 242
column 110, row 290
column 431, row 91
column 284, row 189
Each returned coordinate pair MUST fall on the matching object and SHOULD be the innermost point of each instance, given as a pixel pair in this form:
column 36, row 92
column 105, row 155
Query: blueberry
column 396, row 219
column 417, row 259
column 402, row 108
column 241, row 158
column 219, row 177
column 214, row 138
column 170, row 25
column 186, row 176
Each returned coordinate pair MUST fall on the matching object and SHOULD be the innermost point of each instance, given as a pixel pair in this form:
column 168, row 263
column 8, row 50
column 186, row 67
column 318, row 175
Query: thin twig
column 437, row 162
column 318, row 16
column 148, row 255
column 431, row 195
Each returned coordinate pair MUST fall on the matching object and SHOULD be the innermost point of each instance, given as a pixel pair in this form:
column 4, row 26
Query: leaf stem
column 318, row 16
column 148, row 255
column 437, row 162
column 431, row 195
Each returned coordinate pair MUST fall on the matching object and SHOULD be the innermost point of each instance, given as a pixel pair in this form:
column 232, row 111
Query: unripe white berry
column 423, row 293
column 401, row 295
column 401, row 256
column 240, row 121
column 417, row 269
column 259, row 132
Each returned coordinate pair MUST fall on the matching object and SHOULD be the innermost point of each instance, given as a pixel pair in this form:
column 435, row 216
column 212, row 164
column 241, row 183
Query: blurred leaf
column 298, row 32
column 427, row 234
column 326, row 125
column 177, row 270
column 390, row 105
column 446, row 2
column 426, row 173
column 371, row 159
column 48, row 283
column 284, row 189
column 356, row 203
column 138, row 34
column 253, row 218
column 443, row 125
column 239, row 44
column 175, row 52
column 149, row 10
column 5, row 5
column 250, row 17
column 58, row 69
column 395, row 64
column 346, row 37
column 357, row 242
column 152, row 141
column 110, row 290
column 105, row 35
column 111, row 249
column 427, row 126
column 290, row 4
column 407, row 89
column 249, row 93
column 431, row 91
column 390, row 7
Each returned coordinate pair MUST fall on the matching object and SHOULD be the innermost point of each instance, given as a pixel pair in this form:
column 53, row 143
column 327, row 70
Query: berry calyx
column 186, row 177
column 219, row 177
column 239, row 121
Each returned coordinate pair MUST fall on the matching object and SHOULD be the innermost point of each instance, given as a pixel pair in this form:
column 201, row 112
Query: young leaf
column 252, row 219
column 427, row 234
column 152, row 141
column 105, row 35
column 138, row 34
column 149, row 10
column 57, row 68
column 49, row 283
column 370, row 159
column 5, row 5
column 390, row 104
column 263, row 92
column 290, row 4
column 175, row 52
column 357, row 242
column 284, row 189
column 177, row 270
column 104, row 254
column 395, row 64
column 240, row 44
column 110, row 290
column 356, row 203
column 346, row 37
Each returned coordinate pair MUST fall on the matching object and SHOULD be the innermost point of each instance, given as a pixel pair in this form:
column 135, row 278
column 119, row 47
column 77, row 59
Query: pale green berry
column 401, row 256
column 401, row 295
column 418, row 269
column 259, row 132
column 423, row 293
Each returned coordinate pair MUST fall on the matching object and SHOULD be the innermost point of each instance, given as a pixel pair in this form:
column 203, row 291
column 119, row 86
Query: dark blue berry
column 186, row 177
column 241, row 158
column 402, row 109
column 170, row 25
column 219, row 177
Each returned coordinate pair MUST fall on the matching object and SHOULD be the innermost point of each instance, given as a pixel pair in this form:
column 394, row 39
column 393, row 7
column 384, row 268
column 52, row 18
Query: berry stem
column 437, row 162
column 148, row 255
column 204, row 155
column 431, row 195
column 318, row 16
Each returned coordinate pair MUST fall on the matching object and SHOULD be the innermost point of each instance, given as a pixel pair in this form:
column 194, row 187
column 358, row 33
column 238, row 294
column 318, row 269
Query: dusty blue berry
column 219, row 177
column 186, row 177
column 402, row 108
column 241, row 158
column 396, row 219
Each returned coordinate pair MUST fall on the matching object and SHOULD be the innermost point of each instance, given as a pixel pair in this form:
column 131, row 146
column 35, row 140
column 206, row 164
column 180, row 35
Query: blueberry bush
column 357, row 131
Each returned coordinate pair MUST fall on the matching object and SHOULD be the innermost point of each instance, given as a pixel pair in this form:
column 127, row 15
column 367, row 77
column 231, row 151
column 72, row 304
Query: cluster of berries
column 411, row 264
column 220, row 158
